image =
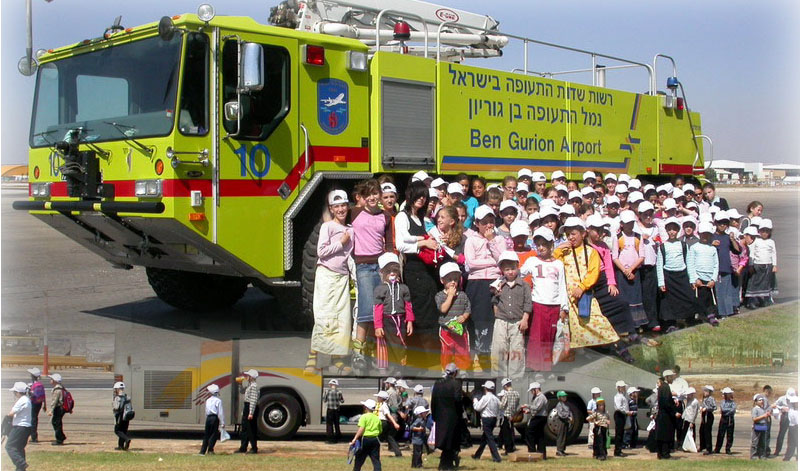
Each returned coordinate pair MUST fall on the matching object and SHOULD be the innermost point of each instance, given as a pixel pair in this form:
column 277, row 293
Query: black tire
column 197, row 292
column 308, row 273
column 578, row 419
column 279, row 416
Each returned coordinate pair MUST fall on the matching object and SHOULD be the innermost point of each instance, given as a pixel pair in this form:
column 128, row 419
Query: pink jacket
column 605, row 262
column 482, row 255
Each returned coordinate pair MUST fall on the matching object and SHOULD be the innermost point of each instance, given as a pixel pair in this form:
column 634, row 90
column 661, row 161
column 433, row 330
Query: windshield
column 127, row 90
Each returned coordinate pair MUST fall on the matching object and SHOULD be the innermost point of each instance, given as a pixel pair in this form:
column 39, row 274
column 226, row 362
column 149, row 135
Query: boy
column 121, row 423
column 621, row 414
column 57, row 409
column 509, row 405
column 512, row 308
column 791, row 445
column 38, row 401
column 369, row 427
column 591, row 407
column 454, row 310
column 728, row 409
column 20, row 426
column 600, row 420
column 707, row 408
column 385, row 416
column 333, row 399
column 702, row 264
column 689, row 414
column 489, row 408
column 419, row 435
column 631, row 438
column 564, row 415
column 215, row 418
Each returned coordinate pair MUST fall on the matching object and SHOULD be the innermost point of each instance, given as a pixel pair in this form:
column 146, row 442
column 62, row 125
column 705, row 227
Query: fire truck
column 201, row 146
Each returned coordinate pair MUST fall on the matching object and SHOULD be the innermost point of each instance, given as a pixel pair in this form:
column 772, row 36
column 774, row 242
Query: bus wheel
column 198, row 292
column 309, row 271
column 279, row 416
column 553, row 424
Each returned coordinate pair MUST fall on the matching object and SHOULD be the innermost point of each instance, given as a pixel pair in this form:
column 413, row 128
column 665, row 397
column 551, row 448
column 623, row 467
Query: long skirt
column 725, row 293
column 482, row 315
column 333, row 319
column 423, row 345
column 586, row 331
column 615, row 308
column 760, row 281
column 679, row 302
column 541, row 336
column 631, row 291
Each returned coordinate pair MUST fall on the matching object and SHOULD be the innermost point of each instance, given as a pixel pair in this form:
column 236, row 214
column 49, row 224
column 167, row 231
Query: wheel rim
column 275, row 415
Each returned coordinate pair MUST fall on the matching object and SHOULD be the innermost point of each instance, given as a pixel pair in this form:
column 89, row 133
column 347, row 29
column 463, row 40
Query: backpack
column 37, row 393
column 127, row 410
column 68, row 403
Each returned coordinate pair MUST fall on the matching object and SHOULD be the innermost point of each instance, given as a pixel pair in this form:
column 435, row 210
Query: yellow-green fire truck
column 201, row 146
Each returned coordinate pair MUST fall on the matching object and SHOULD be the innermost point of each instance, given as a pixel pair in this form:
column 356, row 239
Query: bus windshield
column 123, row 91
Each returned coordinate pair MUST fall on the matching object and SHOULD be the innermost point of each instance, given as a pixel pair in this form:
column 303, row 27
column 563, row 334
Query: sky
column 737, row 60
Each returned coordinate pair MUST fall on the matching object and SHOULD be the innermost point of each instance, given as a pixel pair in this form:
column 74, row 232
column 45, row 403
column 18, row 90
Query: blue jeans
column 368, row 277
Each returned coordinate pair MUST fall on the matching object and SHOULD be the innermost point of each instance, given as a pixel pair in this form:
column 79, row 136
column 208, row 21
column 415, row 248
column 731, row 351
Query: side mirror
column 251, row 73
column 232, row 111
column 166, row 28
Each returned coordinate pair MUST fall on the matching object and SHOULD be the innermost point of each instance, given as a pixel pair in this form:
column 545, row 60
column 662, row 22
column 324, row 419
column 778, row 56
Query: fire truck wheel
column 279, row 416
column 197, row 292
column 309, row 273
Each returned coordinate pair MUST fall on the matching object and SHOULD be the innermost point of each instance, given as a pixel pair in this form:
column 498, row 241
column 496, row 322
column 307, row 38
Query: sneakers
column 656, row 328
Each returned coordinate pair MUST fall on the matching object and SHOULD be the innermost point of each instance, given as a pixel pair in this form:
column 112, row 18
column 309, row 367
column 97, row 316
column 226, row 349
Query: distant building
column 14, row 173
column 734, row 171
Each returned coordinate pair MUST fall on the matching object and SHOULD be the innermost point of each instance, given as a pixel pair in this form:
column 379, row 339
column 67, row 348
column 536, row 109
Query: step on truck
column 200, row 146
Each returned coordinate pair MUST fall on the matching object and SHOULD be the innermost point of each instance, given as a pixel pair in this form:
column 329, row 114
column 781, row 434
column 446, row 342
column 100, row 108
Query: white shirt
column 793, row 417
column 591, row 406
column 488, row 405
column 22, row 412
column 690, row 412
column 384, row 412
column 621, row 403
column 403, row 240
column 549, row 282
column 214, row 406
column 762, row 251
column 679, row 386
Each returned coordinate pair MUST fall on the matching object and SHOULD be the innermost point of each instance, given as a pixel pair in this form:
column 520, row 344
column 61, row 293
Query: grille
column 167, row 389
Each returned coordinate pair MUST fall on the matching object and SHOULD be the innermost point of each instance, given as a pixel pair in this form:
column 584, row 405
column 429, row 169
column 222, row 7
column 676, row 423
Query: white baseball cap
column 533, row 217
column 519, row 227
column 534, row 385
column 562, row 189
column 390, row 380
column 706, row 227
column 252, row 372
column 587, row 190
column 420, row 176
column 677, row 193
column 691, row 204
column 524, row 172
column 213, row 388
column 706, row 217
column 337, row 197
column 574, row 194
column 389, row 188
column 419, row 388
column 635, row 196
column 544, row 212
column 612, row 200
column 56, row 377
column 505, row 381
column 508, row 204
column 589, row 174
column 557, row 174
column 334, row 382
column 574, row 222
column 756, row 221
column 387, row 258
column 648, row 187
column 19, row 387
column 488, row 385
column 482, row 211
column 687, row 187
column 727, row 390
column 721, row 216
column 433, row 193
column 401, row 383
column 691, row 390
column 621, row 384
column 547, row 203
column 708, row 387
column 672, row 220
column 545, row 233
column 634, row 183
column 119, row 385
column 35, row 371
column 751, row 231
column 420, row 410
column 632, row 390
column 567, row 209
column 765, row 224
column 621, row 188
column 670, row 203
column 595, row 220
column 455, row 187
column 447, row 268
column 596, row 390
column 668, row 373
column 382, row 395
column 660, row 188
column 522, row 186
column 508, row 255
column 627, row 216
column 369, row 404
column 733, row 213
column 437, row 182
column 610, row 176
column 714, row 209
column 538, row 177
column 645, row 206
column 624, row 177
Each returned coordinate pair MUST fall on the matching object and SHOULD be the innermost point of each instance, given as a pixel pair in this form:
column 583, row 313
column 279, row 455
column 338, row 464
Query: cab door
column 258, row 152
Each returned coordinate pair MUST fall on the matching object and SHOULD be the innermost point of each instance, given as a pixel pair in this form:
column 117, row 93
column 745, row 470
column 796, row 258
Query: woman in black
column 447, row 410
column 665, row 420
column 410, row 237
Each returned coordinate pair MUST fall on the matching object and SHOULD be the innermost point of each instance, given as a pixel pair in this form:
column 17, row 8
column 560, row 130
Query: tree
column 711, row 175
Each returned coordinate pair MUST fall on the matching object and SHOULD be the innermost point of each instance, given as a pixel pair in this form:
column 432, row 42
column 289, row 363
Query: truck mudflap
column 113, row 207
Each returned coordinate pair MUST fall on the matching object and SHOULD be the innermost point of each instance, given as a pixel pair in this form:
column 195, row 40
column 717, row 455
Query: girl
column 448, row 232
column 550, row 302
column 764, row 264
column 587, row 325
column 678, row 303
column 707, row 408
column 369, row 428
column 650, row 243
column 482, row 252
column 539, row 185
column 410, row 237
column 531, row 206
column 332, row 316
column 760, row 414
column 689, row 237
column 434, row 203
column 726, row 243
column 601, row 421
column 754, row 209
column 477, row 198
column 372, row 236
column 551, row 193
column 393, row 314
column 461, row 209
column 628, row 256
column 508, row 214
column 389, row 198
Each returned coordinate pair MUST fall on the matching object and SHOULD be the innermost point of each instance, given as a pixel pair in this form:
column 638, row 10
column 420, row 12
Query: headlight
column 40, row 190
column 148, row 188
column 357, row 60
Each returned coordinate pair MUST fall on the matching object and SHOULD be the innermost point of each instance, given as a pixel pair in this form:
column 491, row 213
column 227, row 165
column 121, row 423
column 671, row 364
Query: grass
column 104, row 461
column 743, row 341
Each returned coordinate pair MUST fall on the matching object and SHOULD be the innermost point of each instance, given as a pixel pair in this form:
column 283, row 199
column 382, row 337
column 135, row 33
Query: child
column 389, row 198
column 393, row 315
column 482, row 252
column 332, row 310
column 591, row 406
column 621, row 415
column 333, row 399
column 57, row 409
column 215, row 419
column 512, row 308
column 38, row 401
column 702, row 265
column 564, row 415
column 760, row 414
column 509, row 404
column 121, row 423
column 689, row 414
column 631, row 438
column 689, row 237
column 386, row 417
column 369, row 428
column 726, row 244
column 791, row 444
column 531, row 204
column 489, row 408
column 726, row 423
column 627, row 255
column 677, row 301
column 764, row 262
column 454, row 308
column 493, row 199
column 508, row 213
column 418, row 399
column 550, row 301
column 419, row 435
column 601, row 421
column 650, row 242
column 20, row 426
column 707, row 408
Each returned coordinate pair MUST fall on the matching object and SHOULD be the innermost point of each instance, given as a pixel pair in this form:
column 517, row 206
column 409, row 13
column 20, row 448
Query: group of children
column 490, row 273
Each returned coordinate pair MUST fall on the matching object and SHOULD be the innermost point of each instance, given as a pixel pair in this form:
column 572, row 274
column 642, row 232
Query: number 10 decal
column 251, row 161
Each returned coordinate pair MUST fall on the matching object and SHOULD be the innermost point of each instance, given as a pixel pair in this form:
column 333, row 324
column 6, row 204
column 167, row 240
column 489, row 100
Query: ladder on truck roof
column 462, row 33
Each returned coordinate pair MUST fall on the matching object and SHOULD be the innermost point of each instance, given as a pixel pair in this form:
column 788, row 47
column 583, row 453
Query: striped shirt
column 702, row 262
column 510, row 403
column 670, row 258
column 459, row 306
column 251, row 395
column 709, row 404
column 332, row 398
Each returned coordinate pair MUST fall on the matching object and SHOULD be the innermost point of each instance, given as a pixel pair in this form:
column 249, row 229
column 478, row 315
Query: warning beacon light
column 402, row 32
column 672, row 83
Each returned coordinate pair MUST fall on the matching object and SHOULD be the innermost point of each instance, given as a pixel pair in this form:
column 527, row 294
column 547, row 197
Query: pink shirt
column 371, row 234
column 605, row 262
column 481, row 256
column 628, row 255
column 332, row 254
